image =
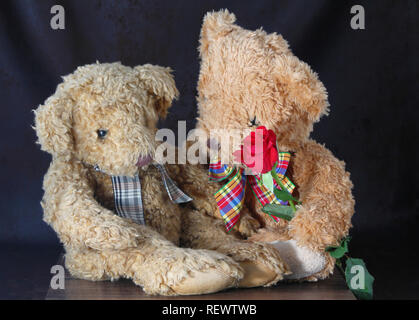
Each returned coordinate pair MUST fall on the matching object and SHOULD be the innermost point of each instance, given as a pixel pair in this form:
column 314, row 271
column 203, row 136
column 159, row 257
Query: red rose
column 258, row 152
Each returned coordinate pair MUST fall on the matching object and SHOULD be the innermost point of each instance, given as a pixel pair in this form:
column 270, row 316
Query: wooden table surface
column 333, row 288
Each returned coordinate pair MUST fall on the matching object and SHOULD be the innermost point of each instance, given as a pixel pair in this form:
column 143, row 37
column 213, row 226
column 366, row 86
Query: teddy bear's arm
column 70, row 208
column 327, row 203
column 193, row 179
column 261, row 262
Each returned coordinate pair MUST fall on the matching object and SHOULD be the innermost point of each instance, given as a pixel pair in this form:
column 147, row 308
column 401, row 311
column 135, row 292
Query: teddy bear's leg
column 261, row 262
column 327, row 204
column 322, row 220
column 88, row 264
column 170, row 270
column 159, row 267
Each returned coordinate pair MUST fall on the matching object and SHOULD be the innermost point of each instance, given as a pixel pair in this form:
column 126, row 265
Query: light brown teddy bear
column 249, row 79
column 99, row 126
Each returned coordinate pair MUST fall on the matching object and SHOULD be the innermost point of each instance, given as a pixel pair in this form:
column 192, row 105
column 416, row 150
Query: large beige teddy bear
column 249, row 79
column 99, row 126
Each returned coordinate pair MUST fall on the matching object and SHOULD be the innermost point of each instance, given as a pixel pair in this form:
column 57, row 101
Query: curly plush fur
column 251, row 74
column 78, row 201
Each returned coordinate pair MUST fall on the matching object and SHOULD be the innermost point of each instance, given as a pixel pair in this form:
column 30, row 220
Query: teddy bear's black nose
column 101, row 133
column 253, row 122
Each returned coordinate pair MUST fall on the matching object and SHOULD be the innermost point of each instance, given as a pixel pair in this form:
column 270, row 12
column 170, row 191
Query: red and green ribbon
column 230, row 197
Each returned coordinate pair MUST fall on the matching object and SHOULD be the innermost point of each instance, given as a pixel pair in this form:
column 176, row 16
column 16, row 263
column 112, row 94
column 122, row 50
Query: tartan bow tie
column 230, row 197
column 127, row 195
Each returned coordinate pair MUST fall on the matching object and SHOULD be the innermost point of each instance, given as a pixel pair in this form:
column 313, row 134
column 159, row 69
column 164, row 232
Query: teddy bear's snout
column 144, row 160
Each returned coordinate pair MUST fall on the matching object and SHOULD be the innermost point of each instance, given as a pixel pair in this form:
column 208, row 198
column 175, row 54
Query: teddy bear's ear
column 53, row 122
column 298, row 84
column 215, row 24
column 159, row 81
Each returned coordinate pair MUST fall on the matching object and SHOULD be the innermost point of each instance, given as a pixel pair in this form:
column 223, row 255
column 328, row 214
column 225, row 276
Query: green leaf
column 339, row 251
column 268, row 181
column 277, row 210
column 284, row 195
column 358, row 279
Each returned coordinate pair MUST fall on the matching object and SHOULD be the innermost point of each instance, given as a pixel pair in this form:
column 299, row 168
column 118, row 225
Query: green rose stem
column 278, row 181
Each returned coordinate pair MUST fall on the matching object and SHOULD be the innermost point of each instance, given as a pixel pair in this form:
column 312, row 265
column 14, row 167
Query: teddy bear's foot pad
column 302, row 261
column 204, row 282
column 256, row 274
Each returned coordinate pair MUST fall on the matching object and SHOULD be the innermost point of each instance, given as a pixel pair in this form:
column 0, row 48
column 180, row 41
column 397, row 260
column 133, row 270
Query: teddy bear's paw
column 303, row 262
column 189, row 272
column 248, row 226
column 261, row 263
column 207, row 272
column 203, row 282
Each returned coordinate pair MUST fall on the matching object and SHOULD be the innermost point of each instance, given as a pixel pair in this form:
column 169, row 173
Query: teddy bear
column 115, row 209
column 250, row 79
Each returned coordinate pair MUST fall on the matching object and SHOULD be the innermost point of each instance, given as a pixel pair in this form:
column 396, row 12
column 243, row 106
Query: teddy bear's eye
column 101, row 133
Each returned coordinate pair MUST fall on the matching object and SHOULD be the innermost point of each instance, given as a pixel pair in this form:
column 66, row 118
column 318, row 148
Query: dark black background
column 371, row 76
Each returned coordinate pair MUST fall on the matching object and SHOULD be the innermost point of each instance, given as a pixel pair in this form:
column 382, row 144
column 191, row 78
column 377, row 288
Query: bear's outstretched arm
column 260, row 261
column 79, row 220
column 122, row 248
column 327, row 203
column 203, row 228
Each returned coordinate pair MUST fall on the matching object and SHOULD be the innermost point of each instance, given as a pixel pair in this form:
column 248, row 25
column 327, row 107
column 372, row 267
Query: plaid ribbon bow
column 127, row 195
column 230, row 197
